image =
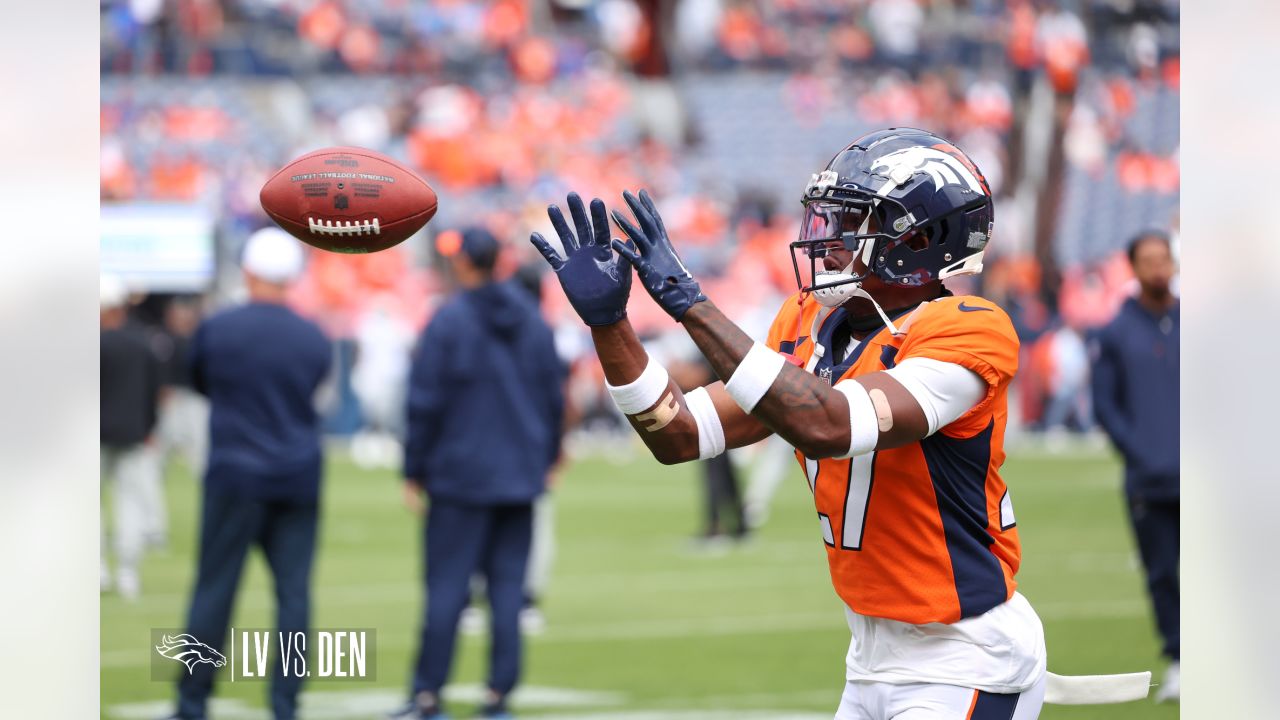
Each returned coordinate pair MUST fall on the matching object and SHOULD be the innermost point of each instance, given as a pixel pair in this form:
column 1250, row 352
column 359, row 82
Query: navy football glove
column 659, row 267
column 595, row 281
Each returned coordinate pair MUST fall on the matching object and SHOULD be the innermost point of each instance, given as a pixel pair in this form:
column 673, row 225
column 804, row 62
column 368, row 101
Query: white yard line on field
column 693, row 715
column 363, row 704
column 374, row 703
column 575, row 583
column 718, row 577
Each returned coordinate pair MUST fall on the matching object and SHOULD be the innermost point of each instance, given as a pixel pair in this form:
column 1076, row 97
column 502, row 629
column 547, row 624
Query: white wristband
column 754, row 376
column 710, row 431
column 864, row 423
column 640, row 394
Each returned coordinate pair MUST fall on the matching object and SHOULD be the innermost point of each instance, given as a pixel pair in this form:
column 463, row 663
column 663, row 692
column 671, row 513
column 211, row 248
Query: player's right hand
column 594, row 278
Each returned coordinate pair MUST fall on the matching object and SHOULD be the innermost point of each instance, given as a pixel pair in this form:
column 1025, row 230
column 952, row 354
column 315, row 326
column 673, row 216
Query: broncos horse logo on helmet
column 910, row 205
column 189, row 651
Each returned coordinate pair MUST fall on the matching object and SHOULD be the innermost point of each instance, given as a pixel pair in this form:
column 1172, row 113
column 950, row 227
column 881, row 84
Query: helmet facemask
column 842, row 219
column 846, row 218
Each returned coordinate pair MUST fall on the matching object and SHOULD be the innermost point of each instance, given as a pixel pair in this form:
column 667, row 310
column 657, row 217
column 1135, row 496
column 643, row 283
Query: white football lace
column 344, row 227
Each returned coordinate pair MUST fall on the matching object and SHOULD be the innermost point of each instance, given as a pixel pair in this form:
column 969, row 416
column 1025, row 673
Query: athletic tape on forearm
column 864, row 424
column 754, row 376
column 661, row 415
column 710, row 431
column 640, row 394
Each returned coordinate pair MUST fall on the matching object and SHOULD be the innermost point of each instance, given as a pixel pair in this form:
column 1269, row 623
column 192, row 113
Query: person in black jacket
column 1135, row 398
column 184, row 414
column 260, row 365
column 484, row 415
column 131, row 378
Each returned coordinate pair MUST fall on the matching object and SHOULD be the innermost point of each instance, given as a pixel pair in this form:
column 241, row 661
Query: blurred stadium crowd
column 722, row 108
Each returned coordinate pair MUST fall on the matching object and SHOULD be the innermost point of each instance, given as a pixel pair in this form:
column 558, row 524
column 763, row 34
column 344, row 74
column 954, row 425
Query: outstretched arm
column 873, row 412
column 813, row 416
column 676, row 428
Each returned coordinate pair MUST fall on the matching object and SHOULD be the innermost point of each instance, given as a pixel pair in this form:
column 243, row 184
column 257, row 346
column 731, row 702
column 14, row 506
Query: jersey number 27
column 857, row 498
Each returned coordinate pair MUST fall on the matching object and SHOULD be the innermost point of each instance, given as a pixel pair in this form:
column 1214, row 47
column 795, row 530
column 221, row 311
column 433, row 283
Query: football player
column 893, row 393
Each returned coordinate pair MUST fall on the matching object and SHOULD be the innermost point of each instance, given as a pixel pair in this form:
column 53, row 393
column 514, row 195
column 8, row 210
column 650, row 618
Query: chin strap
column 837, row 295
column 859, row 292
column 818, row 349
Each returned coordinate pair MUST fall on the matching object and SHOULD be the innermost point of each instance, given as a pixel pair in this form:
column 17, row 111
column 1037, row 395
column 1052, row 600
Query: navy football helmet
column 911, row 206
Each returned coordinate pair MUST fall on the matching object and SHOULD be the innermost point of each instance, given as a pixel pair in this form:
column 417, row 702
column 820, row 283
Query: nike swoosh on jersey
column 970, row 308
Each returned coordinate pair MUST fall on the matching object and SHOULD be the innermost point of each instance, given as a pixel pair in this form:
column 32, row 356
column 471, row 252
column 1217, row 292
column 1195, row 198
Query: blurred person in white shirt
column 131, row 379
column 184, row 414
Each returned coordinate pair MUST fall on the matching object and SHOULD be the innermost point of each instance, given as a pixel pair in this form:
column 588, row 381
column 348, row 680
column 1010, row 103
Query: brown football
column 348, row 200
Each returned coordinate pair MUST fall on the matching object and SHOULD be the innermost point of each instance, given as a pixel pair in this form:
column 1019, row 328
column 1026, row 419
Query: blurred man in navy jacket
column 1135, row 398
column 484, row 414
column 260, row 365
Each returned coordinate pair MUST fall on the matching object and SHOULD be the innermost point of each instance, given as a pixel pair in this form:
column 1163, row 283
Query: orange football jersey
column 925, row 532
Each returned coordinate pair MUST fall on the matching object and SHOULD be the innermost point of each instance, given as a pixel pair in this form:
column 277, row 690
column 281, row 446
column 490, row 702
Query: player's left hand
column 660, row 269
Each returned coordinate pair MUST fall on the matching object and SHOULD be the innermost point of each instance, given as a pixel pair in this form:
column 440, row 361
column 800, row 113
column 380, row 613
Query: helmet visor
column 830, row 225
column 840, row 229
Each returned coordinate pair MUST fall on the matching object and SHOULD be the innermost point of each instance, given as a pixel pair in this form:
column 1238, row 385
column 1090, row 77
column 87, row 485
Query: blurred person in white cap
column 131, row 379
column 260, row 365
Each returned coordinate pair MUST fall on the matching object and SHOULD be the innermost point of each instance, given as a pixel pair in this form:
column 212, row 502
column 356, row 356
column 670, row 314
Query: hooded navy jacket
column 485, row 401
column 1135, row 395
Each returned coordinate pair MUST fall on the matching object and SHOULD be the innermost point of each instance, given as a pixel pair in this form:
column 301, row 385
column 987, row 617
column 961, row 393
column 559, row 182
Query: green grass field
column 640, row 625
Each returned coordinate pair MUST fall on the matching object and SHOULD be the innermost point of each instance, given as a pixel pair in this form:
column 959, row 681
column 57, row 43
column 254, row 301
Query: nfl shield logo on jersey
column 825, row 375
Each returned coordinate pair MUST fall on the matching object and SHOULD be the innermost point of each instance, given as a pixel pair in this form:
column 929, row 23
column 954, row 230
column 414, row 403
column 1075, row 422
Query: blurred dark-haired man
column 1135, row 398
column 484, row 415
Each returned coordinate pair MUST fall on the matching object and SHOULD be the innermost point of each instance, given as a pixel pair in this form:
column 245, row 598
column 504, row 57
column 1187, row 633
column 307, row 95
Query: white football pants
column 925, row 701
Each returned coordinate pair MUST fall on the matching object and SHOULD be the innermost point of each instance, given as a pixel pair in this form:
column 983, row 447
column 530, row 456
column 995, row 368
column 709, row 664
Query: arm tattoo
column 796, row 403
